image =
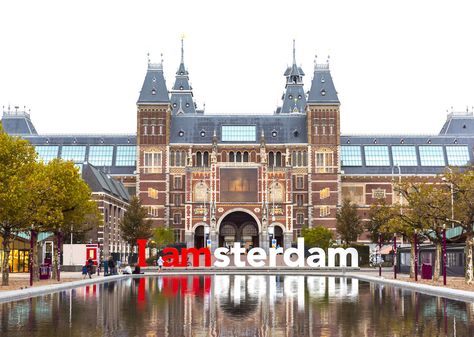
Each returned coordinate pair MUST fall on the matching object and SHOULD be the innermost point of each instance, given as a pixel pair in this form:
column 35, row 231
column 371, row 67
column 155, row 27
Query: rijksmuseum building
column 247, row 178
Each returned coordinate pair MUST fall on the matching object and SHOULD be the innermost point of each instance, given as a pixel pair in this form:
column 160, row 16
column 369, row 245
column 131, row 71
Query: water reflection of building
column 227, row 305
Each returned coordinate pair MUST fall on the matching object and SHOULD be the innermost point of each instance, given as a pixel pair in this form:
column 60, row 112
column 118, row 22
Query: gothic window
column 278, row 159
column 299, row 218
column 177, row 218
column 151, row 162
column 205, row 159
column 246, row 156
column 238, row 157
column 271, row 159
column 231, row 157
column 198, row 159
column 324, row 161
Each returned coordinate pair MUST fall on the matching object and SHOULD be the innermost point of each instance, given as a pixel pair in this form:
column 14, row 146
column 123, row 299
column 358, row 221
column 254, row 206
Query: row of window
column 96, row 155
column 429, row 155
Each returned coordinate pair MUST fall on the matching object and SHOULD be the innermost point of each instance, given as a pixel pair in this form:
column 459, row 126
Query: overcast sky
column 79, row 67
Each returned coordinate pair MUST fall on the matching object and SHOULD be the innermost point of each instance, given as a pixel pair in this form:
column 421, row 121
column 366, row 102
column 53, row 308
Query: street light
column 452, row 195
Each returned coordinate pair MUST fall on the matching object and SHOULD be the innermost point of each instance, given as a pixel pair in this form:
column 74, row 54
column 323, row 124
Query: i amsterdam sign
column 256, row 257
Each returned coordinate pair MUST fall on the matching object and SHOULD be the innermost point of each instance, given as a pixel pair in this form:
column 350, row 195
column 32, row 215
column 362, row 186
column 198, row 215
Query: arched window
column 223, row 156
column 271, row 159
column 238, row 157
column 205, row 159
column 231, row 156
column 278, row 159
column 246, row 156
column 198, row 159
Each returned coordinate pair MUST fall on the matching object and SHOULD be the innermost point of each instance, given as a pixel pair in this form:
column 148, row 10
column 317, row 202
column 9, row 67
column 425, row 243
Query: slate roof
column 154, row 86
column 18, row 124
column 289, row 129
column 458, row 123
column 100, row 182
column 294, row 98
column 322, row 86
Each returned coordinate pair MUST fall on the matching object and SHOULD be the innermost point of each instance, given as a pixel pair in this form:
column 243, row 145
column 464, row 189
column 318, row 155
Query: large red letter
column 141, row 252
column 196, row 253
column 171, row 257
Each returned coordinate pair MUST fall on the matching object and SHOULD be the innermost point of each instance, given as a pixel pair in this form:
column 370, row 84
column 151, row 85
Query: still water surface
column 237, row 305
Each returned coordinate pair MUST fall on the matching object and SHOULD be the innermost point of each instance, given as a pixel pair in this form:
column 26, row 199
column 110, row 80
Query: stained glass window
column 431, row 156
column 376, row 156
column 126, row 156
column 101, row 155
column 239, row 133
column 351, row 156
column 47, row 153
column 457, row 155
column 74, row 153
column 404, row 155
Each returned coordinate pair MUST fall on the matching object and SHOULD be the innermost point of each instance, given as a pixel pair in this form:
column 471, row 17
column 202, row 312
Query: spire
column 182, row 100
column 294, row 98
column 154, row 86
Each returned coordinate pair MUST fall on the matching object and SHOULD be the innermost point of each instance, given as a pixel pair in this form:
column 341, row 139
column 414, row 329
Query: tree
column 317, row 237
column 17, row 162
column 462, row 183
column 379, row 215
column 162, row 237
column 348, row 222
column 135, row 224
column 68, row 204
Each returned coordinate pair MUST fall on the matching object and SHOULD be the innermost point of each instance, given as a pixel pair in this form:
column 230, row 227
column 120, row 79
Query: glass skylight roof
column 404, row 155
column 457, row 155
column 101, row 155
column 74, row 153
column 351, row 156
column 431, row 155
column 239, row 133
column 126, row 156
column 376, row 155
column 47, row 153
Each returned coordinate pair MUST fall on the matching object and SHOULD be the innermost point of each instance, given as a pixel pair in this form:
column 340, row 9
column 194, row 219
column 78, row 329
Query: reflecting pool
column 237, row 305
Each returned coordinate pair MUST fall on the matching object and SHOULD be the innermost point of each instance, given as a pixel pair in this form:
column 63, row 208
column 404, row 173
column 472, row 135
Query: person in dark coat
column 111, row 264
column 90, row 267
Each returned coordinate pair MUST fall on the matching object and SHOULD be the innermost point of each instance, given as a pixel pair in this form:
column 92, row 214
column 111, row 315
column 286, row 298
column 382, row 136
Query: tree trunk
column 36, row 261
column 468, row 253
column 412, row 260
column 6, row 257
column 438, row 259
column 54, row 253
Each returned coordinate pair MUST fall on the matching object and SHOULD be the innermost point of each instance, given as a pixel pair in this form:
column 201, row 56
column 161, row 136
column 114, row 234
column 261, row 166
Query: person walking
column 84, row 270
column 111, row 264
column 90, row 267
column 160, row 263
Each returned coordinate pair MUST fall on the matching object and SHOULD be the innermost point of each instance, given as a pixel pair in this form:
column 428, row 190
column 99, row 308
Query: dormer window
column 323, row 92
column 274, row 133
column 299, row 97
column 290, row 96
column 187, row 105
column 181, row 87
column 153, row 91
column 203, row 133
column 296, row 133
column 181, row 133
column 175, row 105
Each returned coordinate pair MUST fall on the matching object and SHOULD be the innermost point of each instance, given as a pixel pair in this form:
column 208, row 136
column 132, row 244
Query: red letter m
column 196, row 253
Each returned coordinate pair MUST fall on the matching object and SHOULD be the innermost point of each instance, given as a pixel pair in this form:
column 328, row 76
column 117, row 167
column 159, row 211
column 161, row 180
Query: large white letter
column 237, row 250
column 320, row 256
column 299, row 253
column 343, row 257
column 256, row 254
column 273, row 253
column 221, row 257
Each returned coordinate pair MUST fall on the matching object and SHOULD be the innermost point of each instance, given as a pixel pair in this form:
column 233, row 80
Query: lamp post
column 380, row 254
column 452, row 195
column 444, row 254
column 394, row 255
column 416, row 255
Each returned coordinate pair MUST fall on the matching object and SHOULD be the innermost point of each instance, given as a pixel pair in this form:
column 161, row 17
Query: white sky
column 79, row 67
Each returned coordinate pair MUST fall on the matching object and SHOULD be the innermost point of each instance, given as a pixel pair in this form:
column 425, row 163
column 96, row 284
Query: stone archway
column 239, row 226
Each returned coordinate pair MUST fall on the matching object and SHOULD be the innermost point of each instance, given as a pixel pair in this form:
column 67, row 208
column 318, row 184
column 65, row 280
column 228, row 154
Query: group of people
column 110, row 267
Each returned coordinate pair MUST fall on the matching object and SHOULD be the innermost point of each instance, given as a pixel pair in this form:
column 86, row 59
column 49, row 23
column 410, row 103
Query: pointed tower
column 323, row 142
column 182, row 101
column 294, row 99
column 153, row 124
